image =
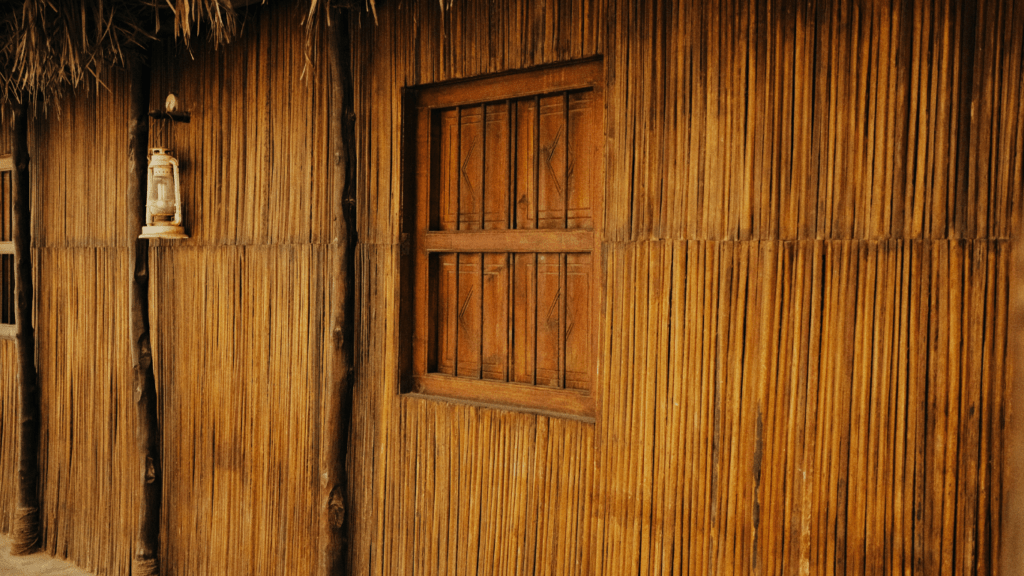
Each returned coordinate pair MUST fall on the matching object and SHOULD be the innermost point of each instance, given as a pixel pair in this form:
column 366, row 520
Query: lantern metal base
column 169, row 232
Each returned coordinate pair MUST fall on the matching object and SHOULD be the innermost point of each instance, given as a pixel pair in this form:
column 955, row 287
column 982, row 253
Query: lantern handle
column 177, row 192
column 149, row 192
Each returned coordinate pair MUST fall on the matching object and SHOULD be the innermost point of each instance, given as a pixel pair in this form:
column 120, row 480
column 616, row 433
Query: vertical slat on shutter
column 495, row 317
column 467, row 355
column 497, row 194
column 579, row 271
column 470, row 168
column 551, row 168
column 449, row 180
column 524, row 308
column 584, row 159
column 548, row 315
column 496, row 167
column 446, row 313
column 525, row 153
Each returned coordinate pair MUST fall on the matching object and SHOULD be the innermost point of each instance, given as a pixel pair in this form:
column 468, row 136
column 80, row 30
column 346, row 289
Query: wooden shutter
column 506, row 191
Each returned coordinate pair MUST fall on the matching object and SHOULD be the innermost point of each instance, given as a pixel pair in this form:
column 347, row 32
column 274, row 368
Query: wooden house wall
column 803, row 366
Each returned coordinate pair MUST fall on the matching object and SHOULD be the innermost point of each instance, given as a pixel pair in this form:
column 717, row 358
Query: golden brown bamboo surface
column 89, row 483
column 228, row 317
column 8, row 395
column 240, row 358
column 78, row 174
column 240, row 310
column 803, row 362
column 742, row 120
column 254, row 155
column 8, row 433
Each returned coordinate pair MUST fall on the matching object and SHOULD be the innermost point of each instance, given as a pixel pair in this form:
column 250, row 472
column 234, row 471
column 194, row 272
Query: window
column 6, row 249
column 503, row 214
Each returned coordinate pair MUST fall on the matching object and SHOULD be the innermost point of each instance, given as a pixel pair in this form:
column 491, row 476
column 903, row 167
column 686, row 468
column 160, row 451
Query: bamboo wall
column 8, row 396
column 806, row 255
column 240, row 310
column 88, row 474
column 803, row 368
column 238, row 313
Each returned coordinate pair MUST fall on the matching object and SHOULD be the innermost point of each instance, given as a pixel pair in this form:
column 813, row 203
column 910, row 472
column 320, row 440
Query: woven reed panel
column 8, row 432
column 240, row 360
column 89, row 475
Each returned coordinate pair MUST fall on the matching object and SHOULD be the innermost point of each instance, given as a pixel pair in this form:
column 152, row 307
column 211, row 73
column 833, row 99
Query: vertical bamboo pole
column 147, row 433
column 1012, row 560
column 26, row 515
column 338, row 396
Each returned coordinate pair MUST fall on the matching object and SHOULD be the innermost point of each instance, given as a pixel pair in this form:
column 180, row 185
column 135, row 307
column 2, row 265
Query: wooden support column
column 147, row 432
column 25, row 533
column 334, row 529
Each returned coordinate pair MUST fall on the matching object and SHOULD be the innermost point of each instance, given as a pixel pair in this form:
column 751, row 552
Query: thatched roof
column 49, row 46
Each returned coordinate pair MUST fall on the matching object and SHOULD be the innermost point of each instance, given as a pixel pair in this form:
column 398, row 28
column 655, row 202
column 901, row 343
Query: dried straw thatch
column 48, row 46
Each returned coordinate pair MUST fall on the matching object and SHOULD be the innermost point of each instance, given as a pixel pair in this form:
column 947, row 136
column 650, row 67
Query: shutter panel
column 506, row 292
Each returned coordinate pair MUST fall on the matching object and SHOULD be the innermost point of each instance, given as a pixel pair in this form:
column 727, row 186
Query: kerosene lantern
column 163, row 197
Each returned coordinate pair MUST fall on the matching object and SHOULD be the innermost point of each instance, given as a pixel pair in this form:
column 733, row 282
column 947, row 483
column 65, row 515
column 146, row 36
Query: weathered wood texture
column 25, row 536
column 803, row 366
column 145, row 558
column 336, row 401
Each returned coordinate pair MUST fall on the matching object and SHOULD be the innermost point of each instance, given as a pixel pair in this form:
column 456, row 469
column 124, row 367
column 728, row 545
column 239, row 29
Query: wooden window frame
column 420, row 137
column 7, row 331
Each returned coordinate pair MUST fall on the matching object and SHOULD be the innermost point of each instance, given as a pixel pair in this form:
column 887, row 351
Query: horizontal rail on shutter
column 508, row 396
column 510, row 87
column 6, row 163
column 510, row 241
column 6, row 247
column 8, row 331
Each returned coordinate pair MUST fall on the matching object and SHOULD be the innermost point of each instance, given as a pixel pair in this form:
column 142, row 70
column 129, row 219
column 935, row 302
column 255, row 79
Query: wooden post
column 338, row 396
column 26, row 515
column 147, row 432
